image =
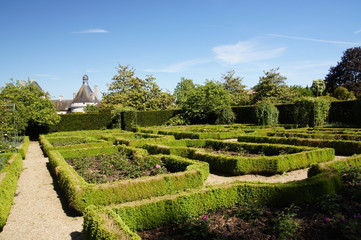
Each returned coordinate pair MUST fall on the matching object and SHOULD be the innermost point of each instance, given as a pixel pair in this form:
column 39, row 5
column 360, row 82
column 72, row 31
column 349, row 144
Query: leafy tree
column 91, row 108
column 272, row 88
column 233, row 84
column 208, row 103
column 347, row 72
column 127, row 90
column 341, row 93
column 302, row 91
column 318, row 87
column 33, row 106
column 183, row 89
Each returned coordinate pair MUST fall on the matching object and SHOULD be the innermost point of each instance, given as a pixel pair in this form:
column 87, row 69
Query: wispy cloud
column 95, row 30
column 358, row 31
column 313, row 39
column 245, row 52
column 181, row 66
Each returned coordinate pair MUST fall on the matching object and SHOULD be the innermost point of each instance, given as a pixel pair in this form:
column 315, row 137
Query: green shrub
column 9, row 176
column 311, row 111
column 266, row 114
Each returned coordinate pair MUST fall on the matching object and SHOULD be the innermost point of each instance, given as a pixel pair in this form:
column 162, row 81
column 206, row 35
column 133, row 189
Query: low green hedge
column 341, row 147
column 326, row 136
column 9, row 175
column 295, row 158
column 136, row 139
column 23, row 148
column 80, row 194
column 70, row 142
column 149, row 214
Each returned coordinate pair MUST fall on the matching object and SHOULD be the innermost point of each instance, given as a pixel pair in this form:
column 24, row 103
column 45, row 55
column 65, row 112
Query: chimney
column 60, row 98
column 95, row 91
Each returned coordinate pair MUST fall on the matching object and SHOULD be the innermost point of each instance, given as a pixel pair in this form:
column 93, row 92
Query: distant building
column 84, row 97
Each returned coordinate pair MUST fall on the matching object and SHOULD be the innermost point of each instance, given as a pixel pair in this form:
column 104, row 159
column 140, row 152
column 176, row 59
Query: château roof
column 85, row 94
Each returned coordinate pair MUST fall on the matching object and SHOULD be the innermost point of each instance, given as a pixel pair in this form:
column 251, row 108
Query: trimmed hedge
column 136, row 139
column 341, row 147
column 327, row 136
column 69, row 142
column 274, row 162
column 149, row 214
column 83, row 121
column 23, row 148
column 80, row 194
column 9, row 176
column 131, row 119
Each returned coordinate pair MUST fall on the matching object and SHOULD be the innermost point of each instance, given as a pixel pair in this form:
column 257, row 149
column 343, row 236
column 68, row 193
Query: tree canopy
column 208, row 103
column 233, row 84
column 183, row 89
column 127, row 90
column 272, row 88
column 347, row 72
column 32, row 104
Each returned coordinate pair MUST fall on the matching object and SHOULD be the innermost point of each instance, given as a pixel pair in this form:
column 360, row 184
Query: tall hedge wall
column 342, row 112
column 83, row 121
column 130, row 119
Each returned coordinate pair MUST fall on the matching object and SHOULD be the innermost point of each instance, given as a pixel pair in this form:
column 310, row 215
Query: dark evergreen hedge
column 131, row 119
column 83, row 121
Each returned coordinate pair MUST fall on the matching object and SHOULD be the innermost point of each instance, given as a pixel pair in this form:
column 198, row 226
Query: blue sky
column 57, row 42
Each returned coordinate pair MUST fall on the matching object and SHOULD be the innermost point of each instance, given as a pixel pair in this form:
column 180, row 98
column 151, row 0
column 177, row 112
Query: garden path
column 38, row 212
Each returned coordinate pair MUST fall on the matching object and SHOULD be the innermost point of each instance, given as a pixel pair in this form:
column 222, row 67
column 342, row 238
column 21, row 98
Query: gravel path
column 38, row 212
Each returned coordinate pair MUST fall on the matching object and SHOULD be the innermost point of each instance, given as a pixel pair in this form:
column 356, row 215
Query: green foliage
column 91, row 108
column 127, row 90
column 344, row 148
column 32, row 105
column 329, row 204
column 269, row 159
column 174, row 208
column 196, row 228
column 10, row 174
column 233, row 84
column 342, row 93
column 311, row 111
column 303, row 91
column 207, row 103
column 318, row 87
column 81, row 194
column 183, row 89
column 266, row 114
column 83, row 121
column 286, row 224
column 347, row 72
column 272, row 87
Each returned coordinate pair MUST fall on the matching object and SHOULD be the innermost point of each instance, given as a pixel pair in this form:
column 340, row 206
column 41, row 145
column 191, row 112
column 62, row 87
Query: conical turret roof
column 85, row 94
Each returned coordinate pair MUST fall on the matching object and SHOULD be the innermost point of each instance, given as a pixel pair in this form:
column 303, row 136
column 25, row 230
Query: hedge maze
column 120, row 208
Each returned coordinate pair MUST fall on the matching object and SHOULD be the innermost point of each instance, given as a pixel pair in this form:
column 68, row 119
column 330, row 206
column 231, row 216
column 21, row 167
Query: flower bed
column 268, row 159
column 148, row 214
column 80, row 194
column 104, row 168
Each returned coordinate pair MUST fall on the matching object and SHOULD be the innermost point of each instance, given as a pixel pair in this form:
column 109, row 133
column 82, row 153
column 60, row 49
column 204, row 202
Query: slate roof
column 85, row 94
column 62, row 105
